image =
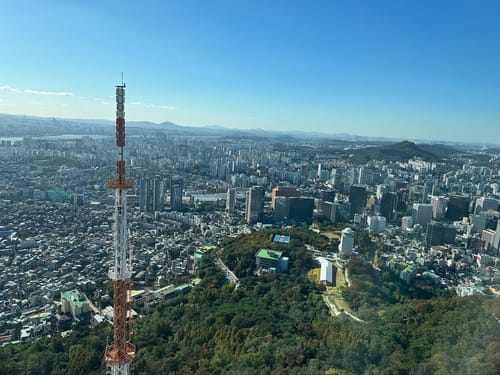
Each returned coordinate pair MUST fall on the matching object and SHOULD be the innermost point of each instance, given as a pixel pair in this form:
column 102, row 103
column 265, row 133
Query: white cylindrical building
column 346, row 242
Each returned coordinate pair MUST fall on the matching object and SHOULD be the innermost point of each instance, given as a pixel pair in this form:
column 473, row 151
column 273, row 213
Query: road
column 91, row 305
column 354, row 317
column 347, row 278
column 331, row 306
column 229, row 274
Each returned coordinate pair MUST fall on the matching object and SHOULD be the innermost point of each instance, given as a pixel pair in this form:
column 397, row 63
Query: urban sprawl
column 436, row 220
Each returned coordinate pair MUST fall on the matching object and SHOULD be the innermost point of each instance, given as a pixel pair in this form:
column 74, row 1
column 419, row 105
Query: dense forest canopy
column 279, row 324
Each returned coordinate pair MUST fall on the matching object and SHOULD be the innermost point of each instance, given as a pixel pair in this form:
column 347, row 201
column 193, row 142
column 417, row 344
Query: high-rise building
column 280, row 212
column 485, row 204
column 439, row 205
column 327, row 195
column 326, row 209
column 145, row 195
column 376, row 224
column 357, row 198
column 488, row 236
column 300, row 208
column 346, row 242
column 422, row 214
column 458, row 207
column 340, row 212
column 255, row 205
column 157, row 196
column 439, row 234
column 389, row 205
column 150, row 194
column 230, row 200
column 176, row 193
column 496, row 239
column 381, row 189
column 478, row 222
column 283, row 191
column 365, row 176
column 406, row 222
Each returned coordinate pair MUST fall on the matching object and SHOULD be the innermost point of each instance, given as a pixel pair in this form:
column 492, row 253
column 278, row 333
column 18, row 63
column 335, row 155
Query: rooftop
column 269, row 254
column 75, row 298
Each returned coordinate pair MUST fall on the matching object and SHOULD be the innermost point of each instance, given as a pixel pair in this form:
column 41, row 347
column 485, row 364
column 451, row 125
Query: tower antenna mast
column 119, row 355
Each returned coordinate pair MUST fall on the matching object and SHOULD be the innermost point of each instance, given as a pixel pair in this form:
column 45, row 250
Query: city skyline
column 416, row 71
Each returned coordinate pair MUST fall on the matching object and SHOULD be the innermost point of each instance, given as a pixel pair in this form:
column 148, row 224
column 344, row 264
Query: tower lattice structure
column 119, row 355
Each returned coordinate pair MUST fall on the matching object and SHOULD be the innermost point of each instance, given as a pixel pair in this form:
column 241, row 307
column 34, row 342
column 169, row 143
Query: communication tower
column 119, row 355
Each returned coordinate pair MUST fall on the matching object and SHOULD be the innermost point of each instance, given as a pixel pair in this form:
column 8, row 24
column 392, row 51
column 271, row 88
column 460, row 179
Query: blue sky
column 406, row 69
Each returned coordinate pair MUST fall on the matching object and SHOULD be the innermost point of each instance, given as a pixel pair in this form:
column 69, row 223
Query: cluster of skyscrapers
column 153, row 193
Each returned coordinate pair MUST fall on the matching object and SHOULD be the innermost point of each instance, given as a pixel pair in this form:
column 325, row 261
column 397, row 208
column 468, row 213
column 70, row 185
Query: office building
column 389, row 205
column 422, row 214
column 458, row 207
column 357, row 198
column 484, row 204
column 340, row 212
column 326, row 208
column 300, row 209
column 488, row 236
column 376, row 224
column 439, row 205
column 478, row 222
column 255, row 205
column 327, row 195
column 283, row 191
column 280, row 212
column 439, row 234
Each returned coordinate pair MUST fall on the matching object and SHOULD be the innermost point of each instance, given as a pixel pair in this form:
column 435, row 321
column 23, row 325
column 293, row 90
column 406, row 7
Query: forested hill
column 401, row 152
column 279, row 324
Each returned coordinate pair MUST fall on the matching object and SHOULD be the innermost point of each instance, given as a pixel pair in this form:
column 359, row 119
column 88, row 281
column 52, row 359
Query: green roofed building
column 171, row 291
column 271, row 261
column 74, row 302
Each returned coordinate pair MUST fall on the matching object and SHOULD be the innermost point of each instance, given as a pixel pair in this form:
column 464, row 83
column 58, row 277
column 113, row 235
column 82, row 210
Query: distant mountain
column 21, row 125
column 401, row 151
column 438, row 149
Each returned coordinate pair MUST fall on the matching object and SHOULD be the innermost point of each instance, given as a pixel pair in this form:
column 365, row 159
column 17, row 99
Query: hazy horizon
column 424, row 70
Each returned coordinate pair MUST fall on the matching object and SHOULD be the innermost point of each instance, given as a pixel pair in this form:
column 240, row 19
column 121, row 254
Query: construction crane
column 119, row 355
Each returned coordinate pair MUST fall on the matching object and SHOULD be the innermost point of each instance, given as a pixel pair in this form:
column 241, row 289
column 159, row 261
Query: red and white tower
column 119, row 355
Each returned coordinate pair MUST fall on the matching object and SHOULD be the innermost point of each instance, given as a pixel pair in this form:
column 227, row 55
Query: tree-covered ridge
column 421, row 329
column 401, row 151
column 279, row 324
column 239, row 253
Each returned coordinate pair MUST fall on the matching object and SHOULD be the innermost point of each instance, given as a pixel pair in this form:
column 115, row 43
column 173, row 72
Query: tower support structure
column 119, row 354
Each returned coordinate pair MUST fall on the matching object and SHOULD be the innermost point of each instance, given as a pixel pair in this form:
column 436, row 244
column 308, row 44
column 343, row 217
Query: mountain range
column 21, row 125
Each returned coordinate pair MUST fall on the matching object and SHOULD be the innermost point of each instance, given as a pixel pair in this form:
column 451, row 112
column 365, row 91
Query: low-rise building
column 271, row 260
column 74, row 302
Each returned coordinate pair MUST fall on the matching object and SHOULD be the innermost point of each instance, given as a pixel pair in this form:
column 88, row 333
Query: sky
column 427, row 69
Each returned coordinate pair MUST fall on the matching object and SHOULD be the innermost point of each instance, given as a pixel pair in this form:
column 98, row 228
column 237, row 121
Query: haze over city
column 420, row 70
